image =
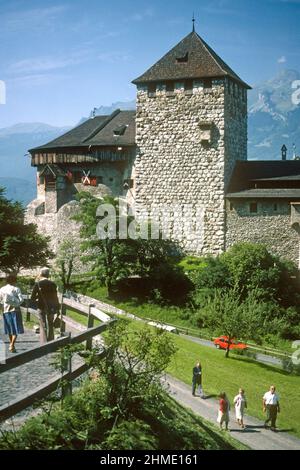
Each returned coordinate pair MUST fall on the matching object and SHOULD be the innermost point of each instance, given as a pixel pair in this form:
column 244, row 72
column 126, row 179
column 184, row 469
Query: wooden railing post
column 66, row 366
column 89, row 342
column 27, row 308
column 62, row 314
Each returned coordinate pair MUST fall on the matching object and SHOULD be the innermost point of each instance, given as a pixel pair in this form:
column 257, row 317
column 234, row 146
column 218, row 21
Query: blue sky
column 61, row 58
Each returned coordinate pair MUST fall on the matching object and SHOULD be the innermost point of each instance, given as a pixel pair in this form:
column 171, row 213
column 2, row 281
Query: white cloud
column 140, row 15
column 281, row 60
column 113, row 57
column 33, row 80
column 43, row 64
column 36, row 18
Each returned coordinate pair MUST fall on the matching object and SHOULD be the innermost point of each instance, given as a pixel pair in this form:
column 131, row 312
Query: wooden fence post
column 66, row 366
column 89, row 342
column 62, row 323
column 27, row 308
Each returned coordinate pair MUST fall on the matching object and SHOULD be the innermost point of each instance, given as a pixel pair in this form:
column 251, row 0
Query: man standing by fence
column 44, row 295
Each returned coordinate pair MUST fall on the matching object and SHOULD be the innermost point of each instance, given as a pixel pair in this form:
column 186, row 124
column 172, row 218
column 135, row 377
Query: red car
column 222, row 343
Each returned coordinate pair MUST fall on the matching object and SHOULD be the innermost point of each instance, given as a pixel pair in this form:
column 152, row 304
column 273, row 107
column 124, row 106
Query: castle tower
column 191, row 128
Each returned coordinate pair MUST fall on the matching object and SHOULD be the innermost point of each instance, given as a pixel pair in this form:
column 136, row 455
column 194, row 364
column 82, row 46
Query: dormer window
column 182, row 59
column 120, row 130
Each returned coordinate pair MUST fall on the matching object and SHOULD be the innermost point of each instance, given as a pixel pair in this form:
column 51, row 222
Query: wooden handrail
column 10, row 409
column 48, row 348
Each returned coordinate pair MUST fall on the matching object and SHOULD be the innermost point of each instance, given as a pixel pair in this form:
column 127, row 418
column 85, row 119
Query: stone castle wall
column 236, row 116
column 174, row 166
column 268, row 226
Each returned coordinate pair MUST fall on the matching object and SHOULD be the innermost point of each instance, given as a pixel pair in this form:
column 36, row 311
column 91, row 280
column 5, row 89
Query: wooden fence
column 68, row 374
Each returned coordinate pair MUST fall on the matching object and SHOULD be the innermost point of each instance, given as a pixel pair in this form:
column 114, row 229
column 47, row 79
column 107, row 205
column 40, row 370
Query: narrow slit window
column 253, row 208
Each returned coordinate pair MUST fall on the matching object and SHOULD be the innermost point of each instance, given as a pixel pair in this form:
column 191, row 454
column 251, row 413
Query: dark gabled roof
column 191, row 58
column 97, row 131
column 246, row 172
column 270, row 193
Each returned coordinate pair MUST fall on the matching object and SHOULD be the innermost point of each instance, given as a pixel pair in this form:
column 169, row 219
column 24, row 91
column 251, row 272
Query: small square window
column 188, row 85
column 253, row 208
column 170, row 86
column 111, row 180
column 151, row 89
column 207, row 83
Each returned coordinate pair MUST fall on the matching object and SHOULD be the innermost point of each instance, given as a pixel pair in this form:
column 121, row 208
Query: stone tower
column 191, row 128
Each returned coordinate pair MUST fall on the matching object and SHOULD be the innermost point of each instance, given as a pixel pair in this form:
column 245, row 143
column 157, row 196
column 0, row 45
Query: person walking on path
column 197, row 379
column 11, row 298
column 223, row 414
column 44, row 296
column 240, row 403
column 271, row 406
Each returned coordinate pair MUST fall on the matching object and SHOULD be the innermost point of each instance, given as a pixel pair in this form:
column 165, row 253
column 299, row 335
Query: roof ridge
column 101, row 126
column 209, row 49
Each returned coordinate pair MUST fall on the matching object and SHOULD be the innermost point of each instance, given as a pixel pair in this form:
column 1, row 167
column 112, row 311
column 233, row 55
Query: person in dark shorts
column 44, row 296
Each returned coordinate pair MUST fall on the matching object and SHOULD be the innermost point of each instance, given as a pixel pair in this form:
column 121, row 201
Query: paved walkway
column 22, row 379
column 254, row 436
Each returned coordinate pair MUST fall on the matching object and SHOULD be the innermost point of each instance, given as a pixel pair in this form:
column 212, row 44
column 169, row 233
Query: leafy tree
column 134, row 365
column 228, row 316
column 213, row 274
column 251, row 266
column 67, row 262
column 113, row 255
column 21, row 246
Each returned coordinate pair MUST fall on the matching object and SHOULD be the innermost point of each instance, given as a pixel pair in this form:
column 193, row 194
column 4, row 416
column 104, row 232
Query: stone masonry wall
column 269, row 227
column 173, row 166
column 235, row 126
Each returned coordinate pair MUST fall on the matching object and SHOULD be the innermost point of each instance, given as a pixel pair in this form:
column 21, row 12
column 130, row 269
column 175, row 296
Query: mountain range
column 273, row 120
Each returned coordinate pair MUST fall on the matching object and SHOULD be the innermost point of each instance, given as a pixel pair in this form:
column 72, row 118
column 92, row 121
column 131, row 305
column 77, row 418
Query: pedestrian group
column 270, row 403
column 44, row 298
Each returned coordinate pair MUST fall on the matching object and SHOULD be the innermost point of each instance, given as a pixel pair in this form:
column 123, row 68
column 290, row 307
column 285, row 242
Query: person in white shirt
column 271, row 406
column 11, row 298
column 240, row 403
